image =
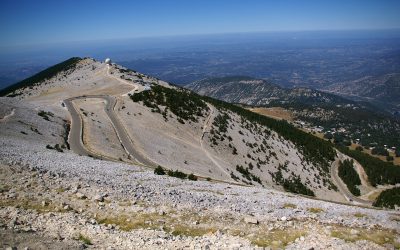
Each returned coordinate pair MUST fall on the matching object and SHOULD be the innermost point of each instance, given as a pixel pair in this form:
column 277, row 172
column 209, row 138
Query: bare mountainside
column 86, row 136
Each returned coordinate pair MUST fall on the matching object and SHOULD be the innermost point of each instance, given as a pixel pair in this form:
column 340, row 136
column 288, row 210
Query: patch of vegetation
column 67, row 129
column 60, row 190
column 41, row 76
column 30, row 204
column 293, row 184
column 185, row 230
column 85, row 239
column 247, row 174
column 349, row 176
column 360, row 215
column 389, row 198
column 159, row 170
column 315, row 210
column 379, row 150
column 4, row 188
column 221, row 121
column 177, row 174
column 176, row 224
column 183, row 103
column 378, row 236
column 378, row 171
column 289, row 205
column 192, row 177
column 233, row 176
column 55, row 147
column 35, row 130
column 45, row 115
column 277, row 238
column 128, row 223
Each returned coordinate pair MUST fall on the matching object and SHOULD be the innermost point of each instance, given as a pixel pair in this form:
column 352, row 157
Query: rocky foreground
column 63, row 201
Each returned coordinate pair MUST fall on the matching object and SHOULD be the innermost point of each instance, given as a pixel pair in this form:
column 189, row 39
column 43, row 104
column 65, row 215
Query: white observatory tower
column 108, row 61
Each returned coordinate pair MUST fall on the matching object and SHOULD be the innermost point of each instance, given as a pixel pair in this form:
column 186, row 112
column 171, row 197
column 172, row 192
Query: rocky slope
column 50, row 196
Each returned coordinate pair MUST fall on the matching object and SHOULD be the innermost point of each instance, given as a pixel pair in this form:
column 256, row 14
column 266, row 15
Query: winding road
column 343, row 188
column 76, row 133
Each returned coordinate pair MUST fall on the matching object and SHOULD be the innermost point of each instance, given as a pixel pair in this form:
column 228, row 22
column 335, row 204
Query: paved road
column 76, row 133
column 343, row 188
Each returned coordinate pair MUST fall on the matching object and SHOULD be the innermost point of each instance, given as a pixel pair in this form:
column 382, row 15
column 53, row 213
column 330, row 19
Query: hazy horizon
column 42, row 22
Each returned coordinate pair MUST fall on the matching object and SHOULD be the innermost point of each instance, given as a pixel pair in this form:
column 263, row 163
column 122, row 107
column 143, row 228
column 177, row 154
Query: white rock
column 80, row 196
column 98, row 198
column 250, row 220
column 12, row 195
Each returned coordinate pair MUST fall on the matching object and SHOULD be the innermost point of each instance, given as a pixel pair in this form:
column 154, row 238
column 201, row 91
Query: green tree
column 159, row 170
column 192, row 177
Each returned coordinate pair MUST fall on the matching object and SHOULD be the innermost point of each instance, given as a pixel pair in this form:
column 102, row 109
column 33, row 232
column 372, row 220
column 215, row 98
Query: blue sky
column 41, row 21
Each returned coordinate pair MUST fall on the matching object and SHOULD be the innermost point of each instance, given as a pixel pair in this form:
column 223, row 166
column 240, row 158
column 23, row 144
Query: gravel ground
column 82, row 197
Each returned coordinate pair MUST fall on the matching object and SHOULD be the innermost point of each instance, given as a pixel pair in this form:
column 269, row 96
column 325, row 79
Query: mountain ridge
column 243, row 89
